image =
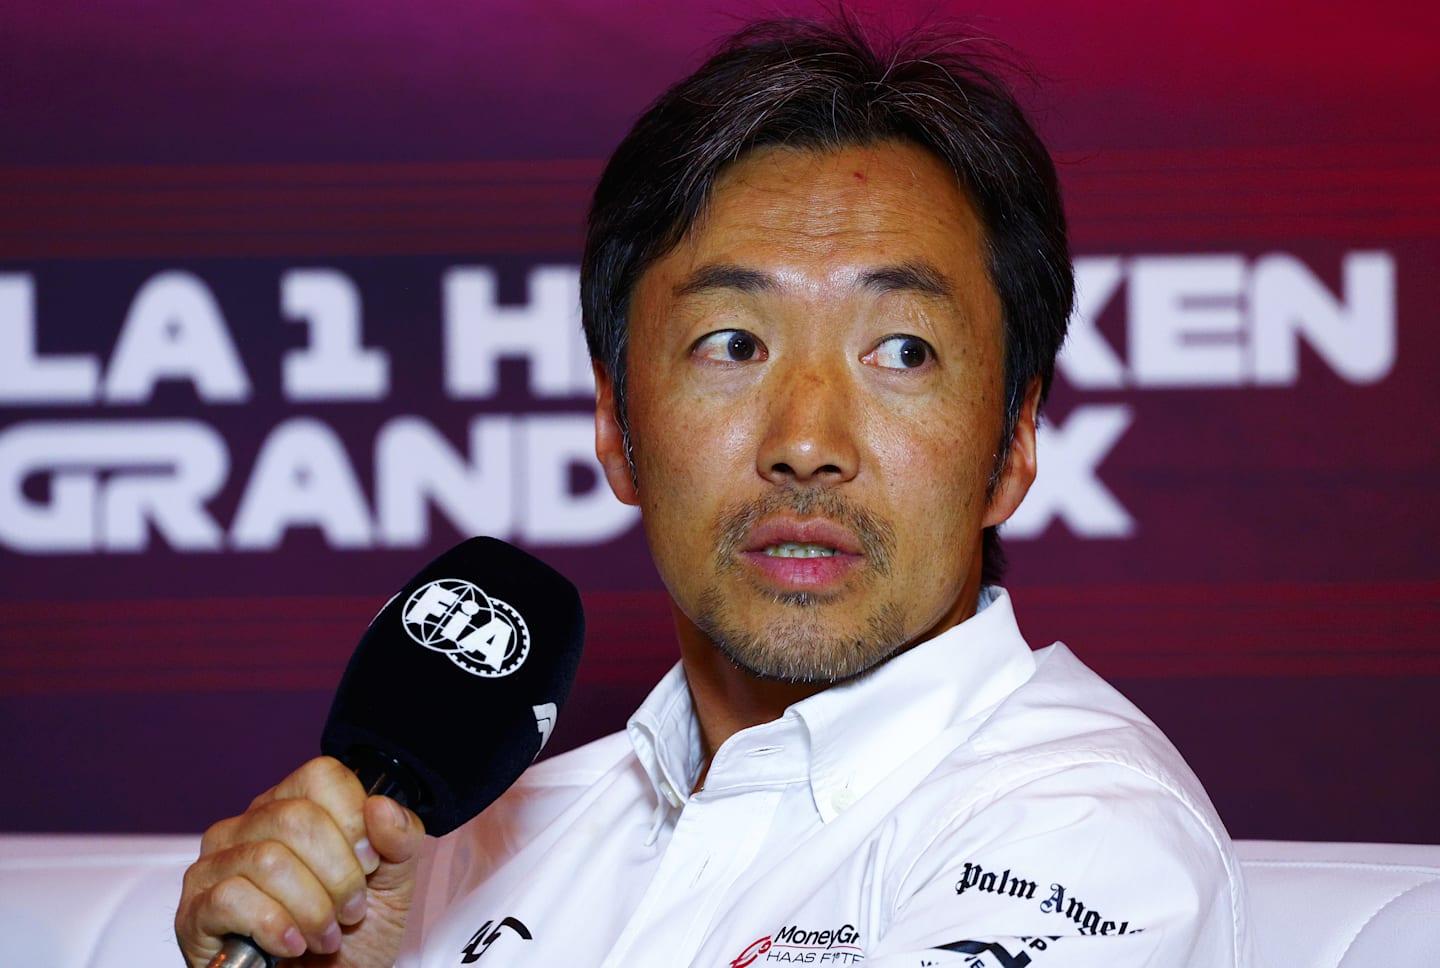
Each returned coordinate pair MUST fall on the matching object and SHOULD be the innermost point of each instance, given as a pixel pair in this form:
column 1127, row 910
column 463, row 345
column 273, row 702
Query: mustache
column 876, row 536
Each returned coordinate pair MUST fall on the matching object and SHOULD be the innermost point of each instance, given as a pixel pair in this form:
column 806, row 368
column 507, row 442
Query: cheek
column 934, row 474
column 683, row 449
column 690, row 428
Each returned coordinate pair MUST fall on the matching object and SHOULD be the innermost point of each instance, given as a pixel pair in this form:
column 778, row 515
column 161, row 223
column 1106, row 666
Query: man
column 824, row 287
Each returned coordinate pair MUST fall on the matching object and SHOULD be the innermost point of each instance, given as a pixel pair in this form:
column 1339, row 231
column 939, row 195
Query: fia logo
column 481, row 940
column 482, row 635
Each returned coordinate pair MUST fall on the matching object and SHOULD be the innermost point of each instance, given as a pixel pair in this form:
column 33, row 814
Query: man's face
column 815, row 406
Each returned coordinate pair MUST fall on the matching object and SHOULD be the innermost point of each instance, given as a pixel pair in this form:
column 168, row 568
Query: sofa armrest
column 87, row 901
column 1342, row 905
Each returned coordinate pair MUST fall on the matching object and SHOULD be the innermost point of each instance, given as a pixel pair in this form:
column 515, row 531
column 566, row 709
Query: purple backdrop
column 287, row 306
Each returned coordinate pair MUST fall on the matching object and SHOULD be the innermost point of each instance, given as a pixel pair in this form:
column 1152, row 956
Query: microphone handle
column 382, row 774
column 241, row 952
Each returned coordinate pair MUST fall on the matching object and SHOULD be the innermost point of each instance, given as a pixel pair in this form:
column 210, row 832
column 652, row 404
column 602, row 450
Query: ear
column 1019, row 472
column 609, row 441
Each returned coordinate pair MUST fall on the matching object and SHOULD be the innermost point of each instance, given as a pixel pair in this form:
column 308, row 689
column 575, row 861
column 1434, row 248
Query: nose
column 810, row 432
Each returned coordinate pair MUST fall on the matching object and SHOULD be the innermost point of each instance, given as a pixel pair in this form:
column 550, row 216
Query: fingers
column 324, row 830
column 397, row 835
column 236, row 900
column 289, row 872
column 330, row 784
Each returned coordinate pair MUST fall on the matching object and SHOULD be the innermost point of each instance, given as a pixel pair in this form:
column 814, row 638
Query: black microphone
column 453, row 689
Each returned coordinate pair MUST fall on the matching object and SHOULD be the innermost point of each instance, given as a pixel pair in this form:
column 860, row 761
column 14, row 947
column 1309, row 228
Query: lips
column 802, row 554
column 778, row 532
column 803, row 540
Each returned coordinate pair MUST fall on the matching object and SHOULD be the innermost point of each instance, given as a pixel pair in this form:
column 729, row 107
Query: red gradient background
column 1275, row 610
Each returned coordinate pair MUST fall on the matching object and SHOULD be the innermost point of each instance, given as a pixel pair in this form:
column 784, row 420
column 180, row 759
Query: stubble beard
column 801, row 647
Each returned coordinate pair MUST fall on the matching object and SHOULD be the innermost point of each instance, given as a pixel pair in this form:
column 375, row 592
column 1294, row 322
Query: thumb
column 397, row 835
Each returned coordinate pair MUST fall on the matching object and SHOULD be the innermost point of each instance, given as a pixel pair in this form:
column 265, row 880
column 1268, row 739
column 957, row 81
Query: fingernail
column 365, row 854
column 354, row 909
column 402, row 816
column 330, row 940
column 293, row 941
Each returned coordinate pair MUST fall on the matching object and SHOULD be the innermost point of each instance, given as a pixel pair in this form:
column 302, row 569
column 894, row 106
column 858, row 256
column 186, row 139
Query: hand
column 314, row 871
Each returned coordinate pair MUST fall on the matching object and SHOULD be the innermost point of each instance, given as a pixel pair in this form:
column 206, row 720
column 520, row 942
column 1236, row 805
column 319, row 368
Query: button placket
column 714, row 841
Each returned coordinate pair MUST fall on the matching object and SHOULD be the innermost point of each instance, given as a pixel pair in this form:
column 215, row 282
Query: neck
column 728, row 699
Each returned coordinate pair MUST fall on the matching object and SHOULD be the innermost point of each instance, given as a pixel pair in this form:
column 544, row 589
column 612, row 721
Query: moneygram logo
column 482, row 635
column 796, row 945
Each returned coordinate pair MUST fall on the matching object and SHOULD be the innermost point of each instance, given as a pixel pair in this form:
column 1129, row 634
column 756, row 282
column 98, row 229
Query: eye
column 729, row 346
column 900, row 353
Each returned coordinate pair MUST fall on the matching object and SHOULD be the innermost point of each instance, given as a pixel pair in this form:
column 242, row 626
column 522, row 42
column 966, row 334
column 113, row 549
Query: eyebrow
column 727, row 276
column 916, row 277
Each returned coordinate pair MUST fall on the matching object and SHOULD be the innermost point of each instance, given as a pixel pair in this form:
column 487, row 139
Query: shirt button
column 842, row 800
column 669, row 793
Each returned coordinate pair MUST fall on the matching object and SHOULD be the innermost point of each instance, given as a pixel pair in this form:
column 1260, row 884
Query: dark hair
column 816, row 86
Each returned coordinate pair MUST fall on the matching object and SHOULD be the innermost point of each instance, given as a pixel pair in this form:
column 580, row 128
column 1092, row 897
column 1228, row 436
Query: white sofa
column 1343, row 905
column 1312, row 905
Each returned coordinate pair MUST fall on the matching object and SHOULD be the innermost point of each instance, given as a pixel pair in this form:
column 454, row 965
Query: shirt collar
column 666, row 738
column 850, row 736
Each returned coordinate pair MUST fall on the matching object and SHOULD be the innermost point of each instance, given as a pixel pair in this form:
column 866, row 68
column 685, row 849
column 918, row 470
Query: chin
column 805, row 648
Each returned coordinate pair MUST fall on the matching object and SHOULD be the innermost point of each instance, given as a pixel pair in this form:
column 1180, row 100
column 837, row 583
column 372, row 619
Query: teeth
column 791, row 549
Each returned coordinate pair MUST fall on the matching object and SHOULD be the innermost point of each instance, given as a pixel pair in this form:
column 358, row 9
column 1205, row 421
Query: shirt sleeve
column 1095, row 864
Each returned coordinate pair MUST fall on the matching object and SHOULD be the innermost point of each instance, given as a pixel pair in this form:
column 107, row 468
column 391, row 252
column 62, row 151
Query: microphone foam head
column 459, row 680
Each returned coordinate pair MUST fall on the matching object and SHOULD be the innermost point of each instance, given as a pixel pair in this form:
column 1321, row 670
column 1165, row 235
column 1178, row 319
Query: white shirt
column 968, row 802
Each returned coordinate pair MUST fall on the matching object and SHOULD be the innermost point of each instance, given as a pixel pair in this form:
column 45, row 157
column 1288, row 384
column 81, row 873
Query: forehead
column 818, row 220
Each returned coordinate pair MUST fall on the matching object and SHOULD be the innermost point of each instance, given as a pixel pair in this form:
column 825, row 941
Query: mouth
column 794, row 549
column 798, row 544
column 786, row 536
column 790, row 554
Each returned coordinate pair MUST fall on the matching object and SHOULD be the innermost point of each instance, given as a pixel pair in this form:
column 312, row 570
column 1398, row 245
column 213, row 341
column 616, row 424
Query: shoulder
column 582, row 766
column 1068, row 813
column 1067, row 720
column 543, row 794
column 554, row 785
